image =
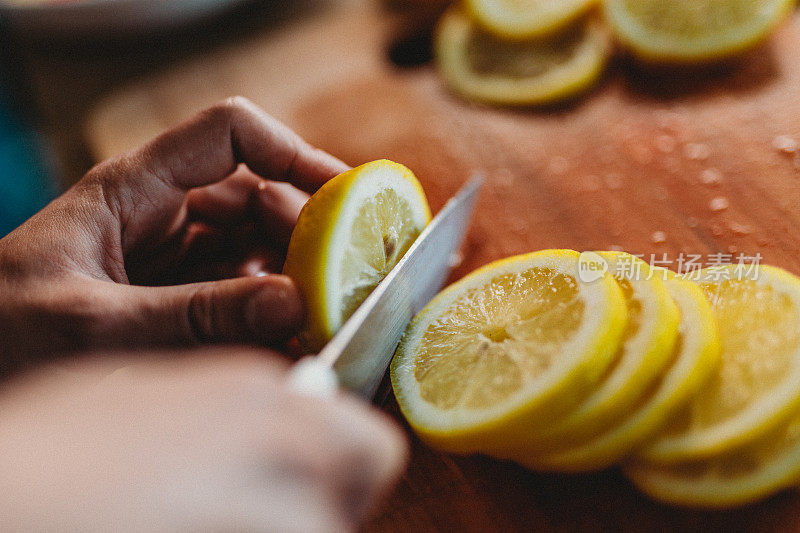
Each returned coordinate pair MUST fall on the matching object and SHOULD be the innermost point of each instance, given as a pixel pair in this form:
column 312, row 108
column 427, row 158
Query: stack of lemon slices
column 574, row 362
column 529, row 52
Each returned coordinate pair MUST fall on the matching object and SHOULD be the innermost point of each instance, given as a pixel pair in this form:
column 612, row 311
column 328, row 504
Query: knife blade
column 356, row 357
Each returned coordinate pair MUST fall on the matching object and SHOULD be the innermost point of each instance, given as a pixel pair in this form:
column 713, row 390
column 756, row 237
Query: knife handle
column 311, row 376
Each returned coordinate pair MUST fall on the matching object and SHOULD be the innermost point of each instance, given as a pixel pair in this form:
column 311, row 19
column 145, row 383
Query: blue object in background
column 25, row 182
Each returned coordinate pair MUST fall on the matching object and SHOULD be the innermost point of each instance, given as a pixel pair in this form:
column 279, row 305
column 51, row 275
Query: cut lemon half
column 743, row 476
column 525, row 19
column 695, row 356
column 644, row 351
column 480, row 67
column 347, row 238
column 756, row 385
column 695, row 30
column 505, row 350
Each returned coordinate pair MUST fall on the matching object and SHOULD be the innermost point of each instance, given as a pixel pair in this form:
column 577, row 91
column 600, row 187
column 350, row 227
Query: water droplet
column 697, row 151
column 717, row 231
column 711, row 176
column 559, row 165
column 763, row 241
column 658, row 237
column 615, row 247
column 613, row 181
column 740, row 229
column 692, row 222
column 732, row 249
column 720, row 203
column 666, row 144
column 785, row 144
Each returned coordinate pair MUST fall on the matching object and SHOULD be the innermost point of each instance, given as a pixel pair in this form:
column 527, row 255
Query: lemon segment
column 696, row 30
column 735, row 478
column 348, row 237
column 505, row 350
column 756, row 386
column 695, row 355
column 525, row 19
column 478, row 66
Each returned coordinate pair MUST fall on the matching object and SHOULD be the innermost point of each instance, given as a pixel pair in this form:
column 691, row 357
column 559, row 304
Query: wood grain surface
column 650, row 162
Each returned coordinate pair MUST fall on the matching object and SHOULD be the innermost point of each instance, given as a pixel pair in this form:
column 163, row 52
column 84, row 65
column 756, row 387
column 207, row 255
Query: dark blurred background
column 59, row 59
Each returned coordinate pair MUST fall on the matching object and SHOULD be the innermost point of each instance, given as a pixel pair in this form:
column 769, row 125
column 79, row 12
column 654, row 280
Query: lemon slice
column 694, row 30
column 695, row 356
column 525, row 19
column 347, row 238
column 736, row 478
column 756, row 385
column 480, row 67
column 644, row 351
column 505, row 350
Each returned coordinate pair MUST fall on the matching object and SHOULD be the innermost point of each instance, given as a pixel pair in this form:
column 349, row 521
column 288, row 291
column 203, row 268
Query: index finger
column 208, row 148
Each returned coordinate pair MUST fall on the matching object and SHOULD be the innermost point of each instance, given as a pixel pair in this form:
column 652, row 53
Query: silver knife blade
column 361, row 350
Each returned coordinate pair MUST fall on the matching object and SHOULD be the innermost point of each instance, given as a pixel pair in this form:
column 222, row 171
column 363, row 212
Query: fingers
column 246, row 196
column 146, row 188
column 264, row 310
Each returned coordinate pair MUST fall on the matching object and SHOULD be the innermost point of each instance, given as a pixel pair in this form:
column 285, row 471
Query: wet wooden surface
column 652, row 163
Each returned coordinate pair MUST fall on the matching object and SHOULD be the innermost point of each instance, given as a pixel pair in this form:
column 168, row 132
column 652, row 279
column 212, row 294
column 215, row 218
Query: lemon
column 644, row 351
column 479, row 66
column 505, row 350
column 735, row 478
column 694, row 357
column 756, row 385
column 347, row 238
column 693, row 30
column 525, row 19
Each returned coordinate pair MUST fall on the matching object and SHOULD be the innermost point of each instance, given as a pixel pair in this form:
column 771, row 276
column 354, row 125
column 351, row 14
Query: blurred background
column 60, row 59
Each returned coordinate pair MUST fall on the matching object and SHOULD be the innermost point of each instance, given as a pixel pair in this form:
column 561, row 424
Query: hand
column 91, row 269
column 206, row 442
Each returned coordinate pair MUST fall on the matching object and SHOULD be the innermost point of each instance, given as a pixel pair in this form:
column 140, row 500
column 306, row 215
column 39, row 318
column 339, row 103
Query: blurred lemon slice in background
column 525, row 19
column 506, row 349
column 695, row 356
column 348, row 237
column 694, row 30
column 755, row 387
column 479, row 66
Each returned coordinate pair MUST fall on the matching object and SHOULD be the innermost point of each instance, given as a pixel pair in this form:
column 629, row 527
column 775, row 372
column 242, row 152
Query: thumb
column 262, row 309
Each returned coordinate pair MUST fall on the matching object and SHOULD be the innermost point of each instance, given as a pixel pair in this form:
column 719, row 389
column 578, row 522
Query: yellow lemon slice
column 736, row 478
column 693, row 30
column 347, row 238
column 480, row 67
column 695, row 356
column 525, row 19
column 756, row 385
column 505, row 350
column 644, row 351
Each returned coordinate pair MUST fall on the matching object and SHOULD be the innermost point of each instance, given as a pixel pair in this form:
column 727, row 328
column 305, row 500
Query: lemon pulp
column 493, row 339
column 382, row 232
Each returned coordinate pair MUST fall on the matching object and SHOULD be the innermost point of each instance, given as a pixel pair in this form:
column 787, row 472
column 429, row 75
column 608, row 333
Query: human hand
column 211, row 441
column 166, row 245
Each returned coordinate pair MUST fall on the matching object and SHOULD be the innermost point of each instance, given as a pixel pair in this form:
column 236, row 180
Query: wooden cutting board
column 652, row 163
